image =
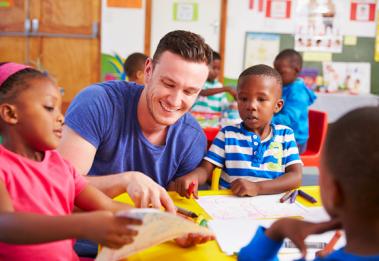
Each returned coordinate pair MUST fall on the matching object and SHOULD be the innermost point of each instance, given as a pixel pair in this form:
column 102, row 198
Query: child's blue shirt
column 294, row 114
column 242, row 154
column 263, row 248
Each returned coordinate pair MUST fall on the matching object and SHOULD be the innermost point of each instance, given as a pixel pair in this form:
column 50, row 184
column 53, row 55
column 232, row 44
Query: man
column 128, row 138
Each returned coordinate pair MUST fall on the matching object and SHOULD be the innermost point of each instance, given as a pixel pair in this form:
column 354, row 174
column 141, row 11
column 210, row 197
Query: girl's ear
column 8, row 113
column 278, row 106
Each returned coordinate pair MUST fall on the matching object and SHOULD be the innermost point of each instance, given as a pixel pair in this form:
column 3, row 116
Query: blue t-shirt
column 105, row 114
column 264, row 248
column 294, row 114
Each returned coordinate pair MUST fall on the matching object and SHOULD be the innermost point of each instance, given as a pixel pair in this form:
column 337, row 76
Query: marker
column 186, row 212
column 191, row 188
column 286, row 196
column 307, row 196
column 293, row 196
column 315, row 245
column 329, row 247
column 201, row 221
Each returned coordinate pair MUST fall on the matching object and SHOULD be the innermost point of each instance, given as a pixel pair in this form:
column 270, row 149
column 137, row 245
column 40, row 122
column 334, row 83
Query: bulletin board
column 363, row 51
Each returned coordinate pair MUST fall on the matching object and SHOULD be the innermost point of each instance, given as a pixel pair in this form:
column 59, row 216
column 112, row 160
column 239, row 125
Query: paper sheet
column 261, row 207
column 157, row 228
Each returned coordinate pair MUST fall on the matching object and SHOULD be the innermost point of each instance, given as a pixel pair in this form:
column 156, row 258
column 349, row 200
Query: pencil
column 307, row 196
column 186, row 212
column 286, row 196
column 329, row 247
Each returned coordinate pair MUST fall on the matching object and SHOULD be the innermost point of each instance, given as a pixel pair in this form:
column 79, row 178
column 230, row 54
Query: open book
column 157, row 227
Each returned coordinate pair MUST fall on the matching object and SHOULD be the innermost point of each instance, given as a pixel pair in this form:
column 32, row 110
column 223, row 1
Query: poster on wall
column 125, row 3
column 185, row 11
column 260, row 48
column 362, row 10
column 278, row 9
column 318, row 26
column 353, row 78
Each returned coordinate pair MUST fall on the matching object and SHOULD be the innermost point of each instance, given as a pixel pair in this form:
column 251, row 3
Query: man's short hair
column 351, row 156
column 293, row 56
column 134, row 63
column 190, row 46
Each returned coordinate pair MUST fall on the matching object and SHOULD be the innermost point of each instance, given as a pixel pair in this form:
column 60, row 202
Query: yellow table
column 207, row 251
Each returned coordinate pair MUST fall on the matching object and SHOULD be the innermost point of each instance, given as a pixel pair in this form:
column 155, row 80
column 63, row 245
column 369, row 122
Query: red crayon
column 191, row 188
column 286, row 196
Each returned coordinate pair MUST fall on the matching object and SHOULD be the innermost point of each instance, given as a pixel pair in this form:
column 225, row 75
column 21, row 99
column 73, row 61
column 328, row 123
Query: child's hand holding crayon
column 186, row 186
column 298, row 230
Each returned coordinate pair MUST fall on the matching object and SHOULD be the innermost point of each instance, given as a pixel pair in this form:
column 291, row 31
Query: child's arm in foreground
column 290, row 180
column 213, row 91
column 199, row 176
column 266, row 243
column 28, row 228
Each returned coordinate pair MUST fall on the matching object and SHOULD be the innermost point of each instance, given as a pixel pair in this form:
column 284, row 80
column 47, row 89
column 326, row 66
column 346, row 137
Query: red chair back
column 211, row 133
column 318, row 126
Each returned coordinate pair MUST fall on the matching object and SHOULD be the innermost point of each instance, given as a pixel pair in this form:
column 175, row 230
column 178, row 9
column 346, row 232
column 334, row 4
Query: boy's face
column 214, row 70
column 286, row 70
column 172, row 86
column 39, row 117
column 258, row 98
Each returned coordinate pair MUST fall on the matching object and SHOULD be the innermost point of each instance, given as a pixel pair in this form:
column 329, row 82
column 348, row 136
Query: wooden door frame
column 222, row 35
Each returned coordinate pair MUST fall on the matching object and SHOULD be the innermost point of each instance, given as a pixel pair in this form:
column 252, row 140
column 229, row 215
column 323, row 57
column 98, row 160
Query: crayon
column 293, row 196
column 307, row 196
column 186, row 212
column 315, row 245
column 286, row 196
column 191, row 188
column 329, row 247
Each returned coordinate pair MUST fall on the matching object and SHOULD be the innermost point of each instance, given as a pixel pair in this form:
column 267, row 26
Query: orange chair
column 318, row 126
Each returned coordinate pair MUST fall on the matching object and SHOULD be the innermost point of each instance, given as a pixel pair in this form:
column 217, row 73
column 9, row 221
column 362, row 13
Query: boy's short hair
column 190, row 46
column 261, row 70
column 295, row 58
column 133, row 63
column 216, row 55
column 351, row 156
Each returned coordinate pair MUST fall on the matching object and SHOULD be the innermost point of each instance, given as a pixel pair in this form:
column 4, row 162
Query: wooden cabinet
column 60, row 36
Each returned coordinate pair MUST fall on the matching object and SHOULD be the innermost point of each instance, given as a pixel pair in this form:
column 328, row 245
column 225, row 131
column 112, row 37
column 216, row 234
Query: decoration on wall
column 377, row 40
column 353, row 78
column 125, row 3
column 260, row 48
column 185, row 11
column 362, row 10
column 318, row 26
column 6, row 3
column 278, row 9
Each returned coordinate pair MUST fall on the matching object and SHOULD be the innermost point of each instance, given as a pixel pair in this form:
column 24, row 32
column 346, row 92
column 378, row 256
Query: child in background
column 38, row 188
column 351, row 199
column 296, row 95
column 212, row 97
column 256, row 156
column 134, row 66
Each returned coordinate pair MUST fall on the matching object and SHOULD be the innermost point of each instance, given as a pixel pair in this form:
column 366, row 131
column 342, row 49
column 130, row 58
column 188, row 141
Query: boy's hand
column 193, row 239
column 243, row 187
column 297, row 230
column 109, row 230
column 182, row 184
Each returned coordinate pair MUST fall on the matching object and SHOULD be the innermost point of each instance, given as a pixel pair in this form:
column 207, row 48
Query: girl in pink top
column 38, row 188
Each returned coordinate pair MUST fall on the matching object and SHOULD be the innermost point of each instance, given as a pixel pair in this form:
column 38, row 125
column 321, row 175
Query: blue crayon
column 307, row 196
column 293, row 196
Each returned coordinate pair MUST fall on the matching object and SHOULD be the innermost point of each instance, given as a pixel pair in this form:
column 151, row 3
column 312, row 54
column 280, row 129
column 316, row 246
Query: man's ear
column 148, row 69
column 279, row 105
column 8, row 113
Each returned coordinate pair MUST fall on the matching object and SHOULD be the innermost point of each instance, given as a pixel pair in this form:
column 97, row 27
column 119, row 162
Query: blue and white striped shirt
column 241, row 153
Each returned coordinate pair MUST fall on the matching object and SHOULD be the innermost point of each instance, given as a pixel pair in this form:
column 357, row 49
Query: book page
column 157, row 227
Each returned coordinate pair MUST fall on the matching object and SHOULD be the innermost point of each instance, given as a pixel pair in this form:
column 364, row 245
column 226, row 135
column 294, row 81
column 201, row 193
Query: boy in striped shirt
column 256, row 156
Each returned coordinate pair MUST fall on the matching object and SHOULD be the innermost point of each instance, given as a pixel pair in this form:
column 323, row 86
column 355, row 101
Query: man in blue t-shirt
column 135, row 139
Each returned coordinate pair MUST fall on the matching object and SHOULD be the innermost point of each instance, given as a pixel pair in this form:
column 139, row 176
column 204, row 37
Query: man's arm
column 142, row 189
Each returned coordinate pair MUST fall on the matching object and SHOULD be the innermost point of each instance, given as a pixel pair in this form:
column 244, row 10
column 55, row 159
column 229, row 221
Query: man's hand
column 297, row 230
column 193, row 239
column 243, row 187
column 146, row 193
column 107, row 229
